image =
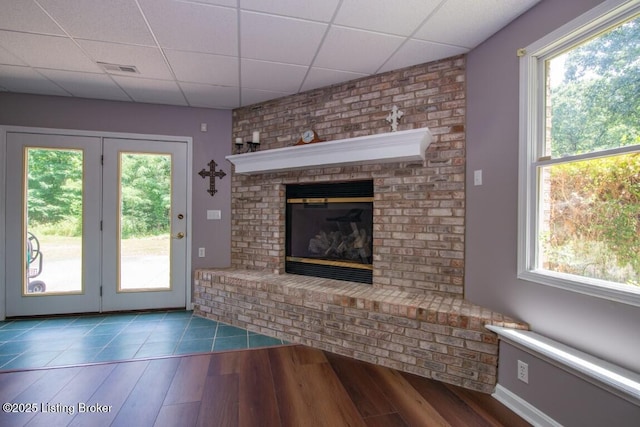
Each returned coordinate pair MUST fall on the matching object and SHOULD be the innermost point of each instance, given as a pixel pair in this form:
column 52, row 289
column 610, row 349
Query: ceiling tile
column 207, row 96
column 151, row 91
column 86, row 85
column 193, row 27
column 47, row 51
column 8, row 58
column 358, row 51
column 320, row 77
column 474, row 21
column 23, row 15
column 278, row 39
column 27, row 80
column 418, row 51
column 113, row 20
column 148, row 60
column 204, row 68
column 271, row 76
column 313, row 10
column 253, row 96
column 401, row 18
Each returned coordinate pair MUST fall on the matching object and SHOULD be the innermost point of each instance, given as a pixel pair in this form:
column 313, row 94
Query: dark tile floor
column 60, row 341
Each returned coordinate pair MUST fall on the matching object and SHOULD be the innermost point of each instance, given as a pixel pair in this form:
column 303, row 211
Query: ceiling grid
column 229, row 53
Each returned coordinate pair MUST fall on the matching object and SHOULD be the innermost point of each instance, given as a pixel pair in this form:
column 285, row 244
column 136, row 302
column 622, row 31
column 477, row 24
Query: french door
column 94, row 224
column 144, row 224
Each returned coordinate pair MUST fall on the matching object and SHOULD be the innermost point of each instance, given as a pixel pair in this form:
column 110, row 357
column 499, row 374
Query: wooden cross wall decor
column 212, row 174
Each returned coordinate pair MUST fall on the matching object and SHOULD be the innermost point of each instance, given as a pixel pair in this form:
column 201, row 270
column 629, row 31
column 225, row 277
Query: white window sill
column 620, row 381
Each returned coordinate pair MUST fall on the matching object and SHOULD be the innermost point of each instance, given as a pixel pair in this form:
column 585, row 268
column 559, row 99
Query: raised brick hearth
column 437, row 337
column 413, row 317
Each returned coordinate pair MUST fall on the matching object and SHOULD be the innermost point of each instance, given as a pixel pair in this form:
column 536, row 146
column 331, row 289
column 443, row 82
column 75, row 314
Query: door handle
column 180, row 235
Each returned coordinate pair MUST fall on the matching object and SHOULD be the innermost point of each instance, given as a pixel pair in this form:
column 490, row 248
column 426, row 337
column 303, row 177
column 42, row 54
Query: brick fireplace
column 413, row 317
column 410, row 250
column 419, row 207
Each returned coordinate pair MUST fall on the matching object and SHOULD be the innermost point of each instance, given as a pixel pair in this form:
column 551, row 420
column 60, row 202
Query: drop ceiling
column 228, row 53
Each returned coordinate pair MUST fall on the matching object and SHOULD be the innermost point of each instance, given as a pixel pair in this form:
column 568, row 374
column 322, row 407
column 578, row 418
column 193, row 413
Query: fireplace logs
column 351, row 244
column 354, row 246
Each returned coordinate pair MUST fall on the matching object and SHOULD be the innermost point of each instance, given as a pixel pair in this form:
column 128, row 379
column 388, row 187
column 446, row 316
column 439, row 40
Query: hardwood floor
column 278, row 386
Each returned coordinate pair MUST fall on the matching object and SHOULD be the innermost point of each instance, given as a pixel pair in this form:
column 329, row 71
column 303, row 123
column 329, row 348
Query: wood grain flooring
column 277, row 386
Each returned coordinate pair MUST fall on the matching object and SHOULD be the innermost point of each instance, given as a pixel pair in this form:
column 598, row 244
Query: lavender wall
column 603, row 328
column 109, row 116
column 568, row 399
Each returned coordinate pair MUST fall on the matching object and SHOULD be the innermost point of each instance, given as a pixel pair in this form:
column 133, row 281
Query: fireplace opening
column 329, row 230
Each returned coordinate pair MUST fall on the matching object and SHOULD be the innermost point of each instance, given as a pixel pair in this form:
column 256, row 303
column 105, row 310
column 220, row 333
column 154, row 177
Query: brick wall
column 419, row 208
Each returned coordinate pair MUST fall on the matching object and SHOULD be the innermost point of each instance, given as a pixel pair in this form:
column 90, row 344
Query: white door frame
column 50, row 131
column 3, row 210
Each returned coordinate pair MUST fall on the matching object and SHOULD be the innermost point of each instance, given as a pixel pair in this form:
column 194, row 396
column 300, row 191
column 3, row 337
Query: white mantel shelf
column 401, row 146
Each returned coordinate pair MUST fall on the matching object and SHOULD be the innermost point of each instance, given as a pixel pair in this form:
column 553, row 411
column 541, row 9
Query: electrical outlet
column 201, row 252
column 523, row 372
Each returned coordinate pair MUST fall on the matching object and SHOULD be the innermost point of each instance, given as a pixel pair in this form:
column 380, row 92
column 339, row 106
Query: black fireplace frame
column 318, row 196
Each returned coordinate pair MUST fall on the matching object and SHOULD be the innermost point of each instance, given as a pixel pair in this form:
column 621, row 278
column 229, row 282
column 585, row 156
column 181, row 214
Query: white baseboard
column 523, row 408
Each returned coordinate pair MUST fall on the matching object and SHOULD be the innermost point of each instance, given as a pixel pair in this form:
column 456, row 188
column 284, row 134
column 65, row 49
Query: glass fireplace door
column 330, row 236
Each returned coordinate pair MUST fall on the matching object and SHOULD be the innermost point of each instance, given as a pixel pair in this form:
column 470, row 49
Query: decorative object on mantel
column 309, row 136
column 394, row 117
column 252, row 146
column 212, row 174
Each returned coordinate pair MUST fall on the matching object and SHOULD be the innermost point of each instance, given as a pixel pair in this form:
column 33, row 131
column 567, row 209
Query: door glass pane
column 53, row 238
column 144, row 221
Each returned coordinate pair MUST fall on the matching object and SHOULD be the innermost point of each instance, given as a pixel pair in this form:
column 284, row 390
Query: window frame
column 531, row 140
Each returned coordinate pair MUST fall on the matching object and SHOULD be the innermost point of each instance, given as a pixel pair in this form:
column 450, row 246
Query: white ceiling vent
column 117, row 68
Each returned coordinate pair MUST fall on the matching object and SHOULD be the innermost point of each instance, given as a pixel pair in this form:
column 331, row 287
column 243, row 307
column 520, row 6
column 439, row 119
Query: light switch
column 214, row 214
column 203, row 127
column 201, row 253
column 477, row 177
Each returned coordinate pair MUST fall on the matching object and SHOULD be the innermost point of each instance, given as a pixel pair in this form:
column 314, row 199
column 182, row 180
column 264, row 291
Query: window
column 579, row 207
